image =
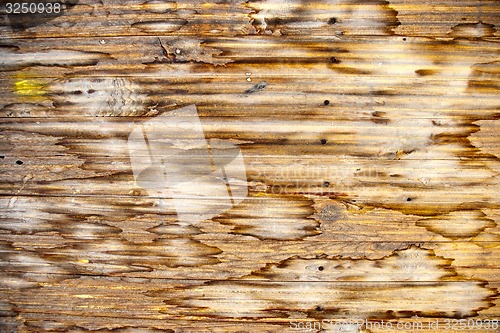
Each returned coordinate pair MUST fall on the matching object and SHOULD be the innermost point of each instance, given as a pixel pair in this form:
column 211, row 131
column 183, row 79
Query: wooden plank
column 369, row 136
column 292, row 17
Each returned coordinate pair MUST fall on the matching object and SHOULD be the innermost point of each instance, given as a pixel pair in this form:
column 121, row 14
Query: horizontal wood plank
column 368, row 133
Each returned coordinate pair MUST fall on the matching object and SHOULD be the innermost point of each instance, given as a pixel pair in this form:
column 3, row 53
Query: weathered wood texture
column 370, row 135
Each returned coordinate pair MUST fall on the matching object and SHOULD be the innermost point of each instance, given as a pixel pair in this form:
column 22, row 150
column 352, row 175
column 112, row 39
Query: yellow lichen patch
column 29, row 88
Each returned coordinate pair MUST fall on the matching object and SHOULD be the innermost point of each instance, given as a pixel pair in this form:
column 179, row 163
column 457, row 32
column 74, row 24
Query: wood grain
column 369, row 132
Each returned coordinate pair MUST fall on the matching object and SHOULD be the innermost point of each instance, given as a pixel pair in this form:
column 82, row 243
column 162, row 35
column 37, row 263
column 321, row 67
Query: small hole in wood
column 404, row 39
column 326, row 102
column 334, row 60
column 91, row 91
column 326, row 184
column 19, row 162
column 319, row 308
column 323, row 141
column 321, row 268
column 2, row 157
column 332, row 20
column 135, row 192
column 408, row 199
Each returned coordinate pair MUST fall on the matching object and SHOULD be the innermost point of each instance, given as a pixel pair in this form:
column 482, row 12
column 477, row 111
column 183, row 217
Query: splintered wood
column 355, row 143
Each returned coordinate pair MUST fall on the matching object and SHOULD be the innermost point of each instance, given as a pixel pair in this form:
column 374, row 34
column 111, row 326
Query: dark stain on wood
column 278, row 217
column 426, row 72
column 458, row 224
column 13, row 61
column 257, row 87
column 324, row 281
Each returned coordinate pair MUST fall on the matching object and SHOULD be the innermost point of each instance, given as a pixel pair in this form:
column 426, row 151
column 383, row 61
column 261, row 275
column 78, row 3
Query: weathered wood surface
column 371, row 142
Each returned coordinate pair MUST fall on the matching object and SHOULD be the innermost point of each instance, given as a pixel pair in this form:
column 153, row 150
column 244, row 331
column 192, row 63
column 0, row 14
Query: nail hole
column 19, row 162
column 326, row 102
column 135, row 192
column 334, row 60
column 332, row 20
column 319, row 308
column 321, row 268
column 2, row 157
column 323, row 141
column 404, row 39
column 326, row 184
column 408, row 199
